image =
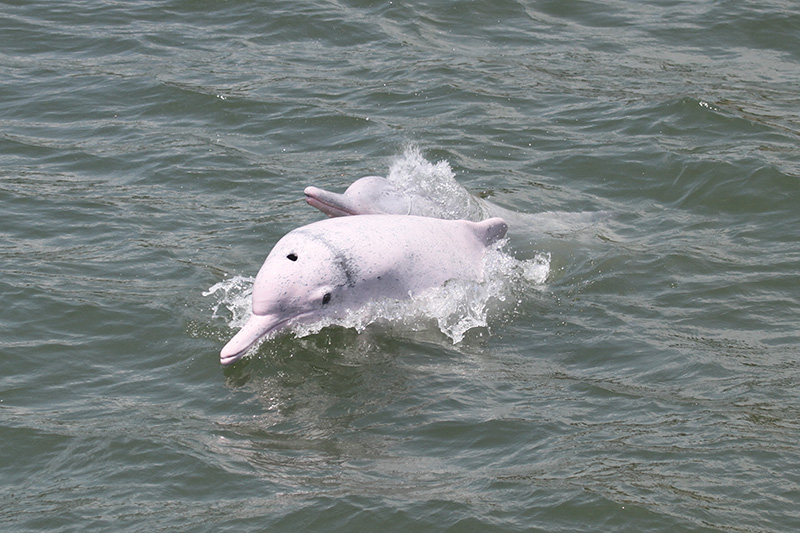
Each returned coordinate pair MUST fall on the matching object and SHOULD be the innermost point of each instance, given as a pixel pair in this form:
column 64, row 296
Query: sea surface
column 641, row 373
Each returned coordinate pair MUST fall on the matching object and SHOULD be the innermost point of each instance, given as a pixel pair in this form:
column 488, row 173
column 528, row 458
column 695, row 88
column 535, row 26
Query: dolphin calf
column 373, row 195
column 378, row 195
column 328, row 267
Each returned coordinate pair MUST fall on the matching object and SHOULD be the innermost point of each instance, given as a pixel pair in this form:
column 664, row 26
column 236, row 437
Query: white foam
column 234, row 295
column 436, row 182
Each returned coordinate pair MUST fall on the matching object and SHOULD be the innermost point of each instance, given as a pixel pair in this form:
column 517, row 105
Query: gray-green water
column 150, row 150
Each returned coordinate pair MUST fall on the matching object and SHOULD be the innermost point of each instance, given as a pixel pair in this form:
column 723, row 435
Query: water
column 153, row 150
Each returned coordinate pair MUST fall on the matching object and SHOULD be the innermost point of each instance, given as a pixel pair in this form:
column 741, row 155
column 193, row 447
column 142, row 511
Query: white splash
column 418, row 177
column 234, row 295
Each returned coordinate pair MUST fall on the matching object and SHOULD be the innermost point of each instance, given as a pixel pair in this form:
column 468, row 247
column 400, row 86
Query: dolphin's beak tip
column 256, row 327
column 228, row 357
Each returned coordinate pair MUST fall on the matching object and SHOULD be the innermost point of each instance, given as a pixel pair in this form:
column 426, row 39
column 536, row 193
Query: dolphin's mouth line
column 325, row 207
column 232, row 358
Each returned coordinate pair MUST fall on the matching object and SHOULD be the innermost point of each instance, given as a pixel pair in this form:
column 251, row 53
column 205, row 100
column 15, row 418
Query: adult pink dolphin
column 329, row 267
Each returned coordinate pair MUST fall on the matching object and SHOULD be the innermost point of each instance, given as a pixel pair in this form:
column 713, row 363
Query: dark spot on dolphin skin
column 348, row 269
column 326, row 298
column 292, row 257
column 340, row 257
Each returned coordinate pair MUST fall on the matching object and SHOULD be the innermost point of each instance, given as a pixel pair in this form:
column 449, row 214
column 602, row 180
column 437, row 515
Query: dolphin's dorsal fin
column 491, row 230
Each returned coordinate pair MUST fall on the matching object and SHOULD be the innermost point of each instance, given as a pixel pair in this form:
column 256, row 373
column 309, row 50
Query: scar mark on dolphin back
column 340, row 258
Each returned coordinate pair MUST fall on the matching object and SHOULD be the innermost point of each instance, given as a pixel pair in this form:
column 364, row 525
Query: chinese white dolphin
column 329, row 267
column 378, row 195
column 373, row 195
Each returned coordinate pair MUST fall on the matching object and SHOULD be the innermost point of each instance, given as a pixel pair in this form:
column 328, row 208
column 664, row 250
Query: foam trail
column 433, row 191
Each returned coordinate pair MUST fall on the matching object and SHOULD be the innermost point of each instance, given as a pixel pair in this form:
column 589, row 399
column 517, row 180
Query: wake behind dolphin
column 417, row 187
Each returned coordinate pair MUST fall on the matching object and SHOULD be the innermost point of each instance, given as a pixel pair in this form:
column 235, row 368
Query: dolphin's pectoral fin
column 491, row 230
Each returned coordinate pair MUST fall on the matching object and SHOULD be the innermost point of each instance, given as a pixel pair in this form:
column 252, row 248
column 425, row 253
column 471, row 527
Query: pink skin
column 326, row 268
column 371, row 195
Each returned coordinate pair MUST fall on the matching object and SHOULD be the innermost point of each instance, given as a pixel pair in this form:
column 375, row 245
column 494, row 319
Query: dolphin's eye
column 326, row 298
column 292, row 257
